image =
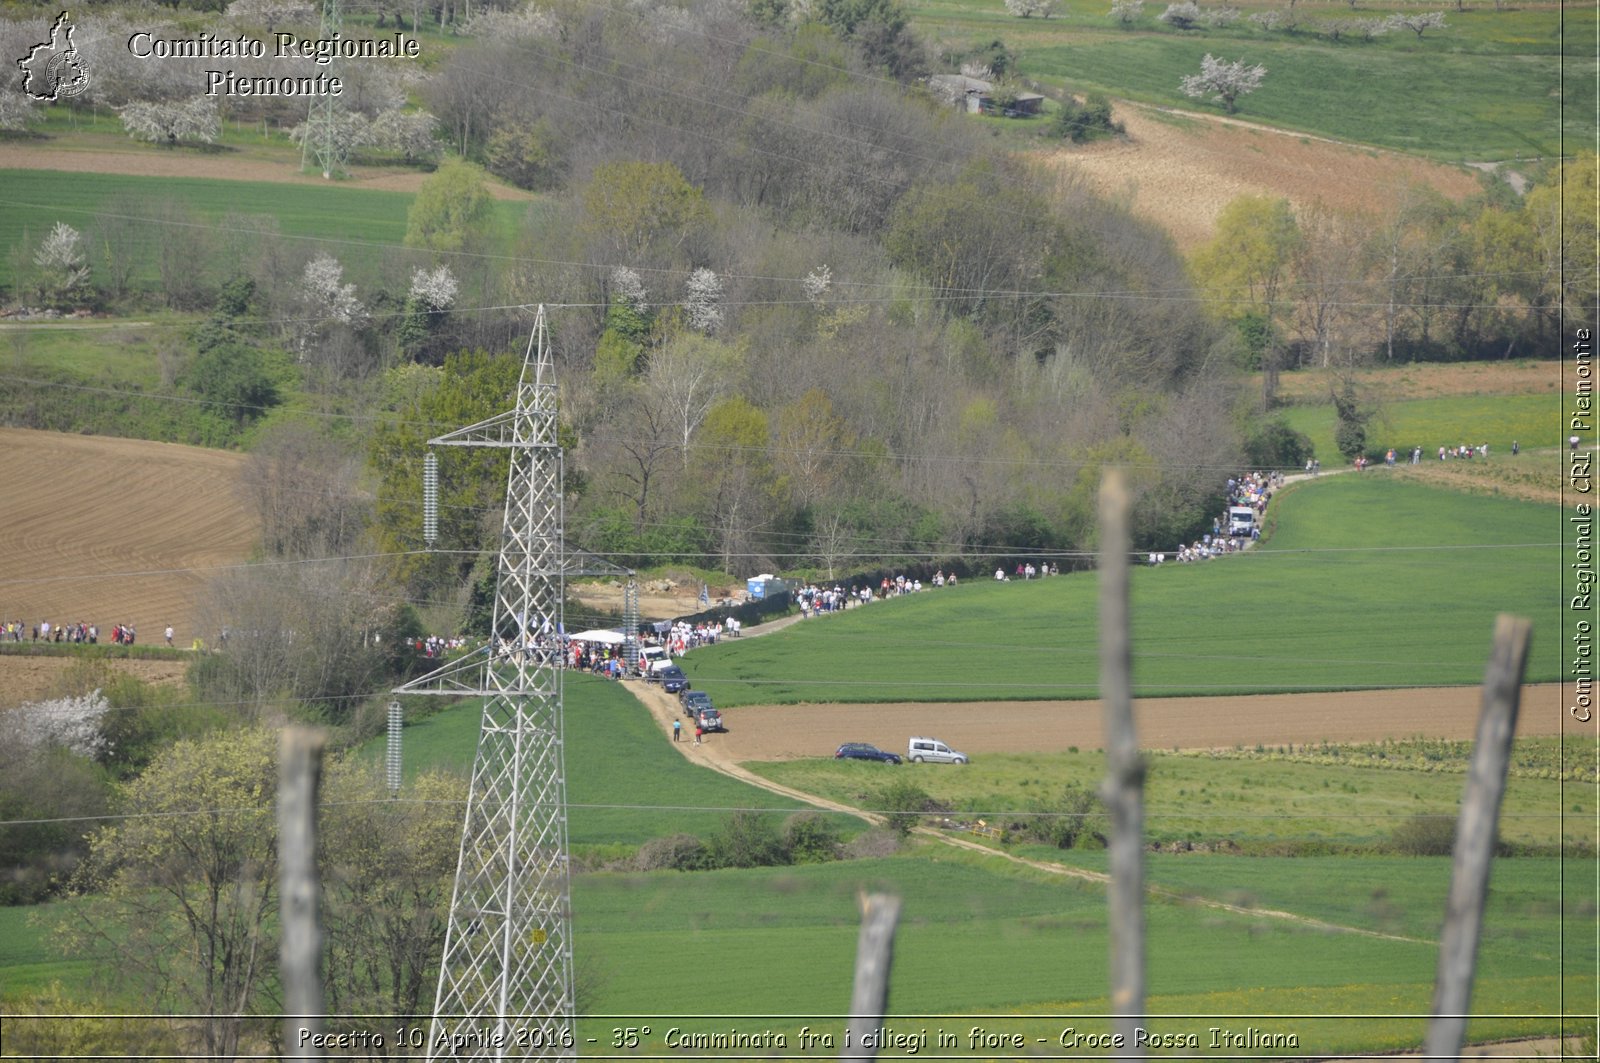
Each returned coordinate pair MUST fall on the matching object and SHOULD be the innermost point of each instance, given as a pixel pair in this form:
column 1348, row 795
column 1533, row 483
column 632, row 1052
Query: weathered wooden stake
column 1123, row 790
column 1476, row 831
column 300, row 950
column 880, row 913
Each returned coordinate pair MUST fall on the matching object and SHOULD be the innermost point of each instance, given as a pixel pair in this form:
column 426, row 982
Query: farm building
column 976, row 96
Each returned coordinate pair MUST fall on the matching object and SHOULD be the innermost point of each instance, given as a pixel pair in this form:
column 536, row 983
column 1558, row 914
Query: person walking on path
column 677, row 730
column 699, row 734
column 169, row 634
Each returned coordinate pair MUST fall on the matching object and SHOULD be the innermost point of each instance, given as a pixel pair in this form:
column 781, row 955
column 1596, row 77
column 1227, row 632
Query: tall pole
column 505, row 980
column 1123, row 790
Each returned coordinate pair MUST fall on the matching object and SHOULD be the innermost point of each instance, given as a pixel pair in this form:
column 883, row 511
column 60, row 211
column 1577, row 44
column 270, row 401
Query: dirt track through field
column 107, row 531
column 785, row 732
column 776, row 733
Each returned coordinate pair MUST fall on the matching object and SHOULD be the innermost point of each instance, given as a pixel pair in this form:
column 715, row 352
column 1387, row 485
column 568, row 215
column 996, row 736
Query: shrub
column 872, row 844
column 810, row 838
column 748, row 839
column 677, row 852
column 904, row 803
column 1089, row 120
column 1425, row 835
column 1274, row 445
column 1074, row 816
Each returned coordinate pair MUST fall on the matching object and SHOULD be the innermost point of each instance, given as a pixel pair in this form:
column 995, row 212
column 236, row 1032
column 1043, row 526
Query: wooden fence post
column 1123, row 791
column 880, row 913
column 300, row 946
column 1476, row 832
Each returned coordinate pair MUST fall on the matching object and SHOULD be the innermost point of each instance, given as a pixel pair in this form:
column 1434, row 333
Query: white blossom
column 1030, row 8
column 817, row 283
column 1219, row 16
column 62, row 250
column 1183, row 15
column 1227, row 81
column 434, row 289
column 17, row 112
column 625, row 282
column 321, row 287
column 701, row 295
column 351, row 130
column 410, row 133
column 529, row 23
column 271, row 13
column 73, row 723
column 193, row 121
column 1126, row 11
column 1416, row 23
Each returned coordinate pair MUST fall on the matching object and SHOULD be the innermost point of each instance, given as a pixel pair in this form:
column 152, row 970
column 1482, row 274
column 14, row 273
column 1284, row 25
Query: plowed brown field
column 789, row 731
column 1179, row 170
column 107, row 531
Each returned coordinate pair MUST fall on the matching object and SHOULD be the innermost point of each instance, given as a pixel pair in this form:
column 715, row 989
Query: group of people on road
column 79, row 633
column 1251, row 490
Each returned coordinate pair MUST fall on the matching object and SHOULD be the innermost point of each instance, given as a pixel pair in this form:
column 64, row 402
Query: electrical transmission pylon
column 324, row 140
column 505, row 982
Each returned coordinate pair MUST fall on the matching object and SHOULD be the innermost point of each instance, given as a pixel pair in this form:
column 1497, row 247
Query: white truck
column 1241, row 520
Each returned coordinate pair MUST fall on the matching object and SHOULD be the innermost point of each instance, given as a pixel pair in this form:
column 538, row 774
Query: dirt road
column 785, row 732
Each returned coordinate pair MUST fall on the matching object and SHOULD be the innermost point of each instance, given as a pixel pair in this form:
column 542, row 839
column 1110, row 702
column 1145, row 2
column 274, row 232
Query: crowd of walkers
column 1249, row 490
column 79, row 633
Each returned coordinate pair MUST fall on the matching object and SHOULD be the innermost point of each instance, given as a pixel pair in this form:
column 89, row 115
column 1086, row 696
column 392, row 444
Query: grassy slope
column 624, row 782
column 1035, row 944
column 356, row 225
column 1354, row 587
column 1532, row 420
column 1206, row 801
column 1488, row 86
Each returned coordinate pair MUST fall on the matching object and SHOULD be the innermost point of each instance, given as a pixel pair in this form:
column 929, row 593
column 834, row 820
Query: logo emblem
column 54, row 69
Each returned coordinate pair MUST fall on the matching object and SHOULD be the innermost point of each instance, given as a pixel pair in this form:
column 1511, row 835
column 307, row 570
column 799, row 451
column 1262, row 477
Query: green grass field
column 356, row 225
column 1361, row 582
column 624, row 783
column 1031, row 944
column 1254, row 804
column 1531, row 420
column 1487, row 86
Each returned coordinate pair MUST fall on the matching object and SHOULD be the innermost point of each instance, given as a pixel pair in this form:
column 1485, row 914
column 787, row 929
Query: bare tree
column 1418, row 22
column 297, row 630
column 688, row 376
column 306, row 490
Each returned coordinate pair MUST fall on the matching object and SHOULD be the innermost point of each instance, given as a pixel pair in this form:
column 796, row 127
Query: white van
column 652, row 657
column 932, row 751
column 1241, row 520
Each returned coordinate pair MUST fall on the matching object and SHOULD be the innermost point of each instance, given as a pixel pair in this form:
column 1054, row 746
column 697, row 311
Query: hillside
column 1180, row 169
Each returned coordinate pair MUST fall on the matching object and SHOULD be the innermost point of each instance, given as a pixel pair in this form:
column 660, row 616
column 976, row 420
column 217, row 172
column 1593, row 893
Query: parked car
column 710, row 719
column 863, row 751
column 694, row 701
column 672, row 679
column 932, row 751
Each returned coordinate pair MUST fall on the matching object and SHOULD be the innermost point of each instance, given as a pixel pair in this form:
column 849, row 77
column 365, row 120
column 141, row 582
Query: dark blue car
column 672, row 679
column 862, row 751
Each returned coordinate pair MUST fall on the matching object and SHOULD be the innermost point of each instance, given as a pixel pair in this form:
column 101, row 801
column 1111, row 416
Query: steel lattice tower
column 505, row 982
column 323, row 141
